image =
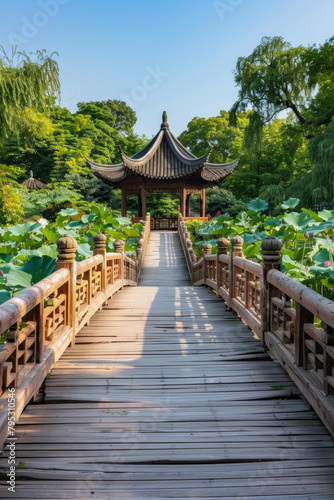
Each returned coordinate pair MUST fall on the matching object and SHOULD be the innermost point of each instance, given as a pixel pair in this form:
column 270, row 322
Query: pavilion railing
column 40, row 322
column 294, row 322
column 168, row 223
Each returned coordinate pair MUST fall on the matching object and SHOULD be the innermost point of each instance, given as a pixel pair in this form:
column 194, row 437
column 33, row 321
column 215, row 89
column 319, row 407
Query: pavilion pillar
column 183, row 202
column 140, row 207
column 203, row 203
column 143, row 202
column 188, row 205
column 123, row 206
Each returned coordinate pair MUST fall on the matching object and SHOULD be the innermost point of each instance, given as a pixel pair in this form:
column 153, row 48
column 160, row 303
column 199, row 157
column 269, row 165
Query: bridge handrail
column 41, row 321
column 284, row 314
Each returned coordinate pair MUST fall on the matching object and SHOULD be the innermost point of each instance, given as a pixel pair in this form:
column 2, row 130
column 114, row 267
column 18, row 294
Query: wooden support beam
column 140, row 206
column 203, row 203
column 143, row 202
column 183, row 201
column 123, row 206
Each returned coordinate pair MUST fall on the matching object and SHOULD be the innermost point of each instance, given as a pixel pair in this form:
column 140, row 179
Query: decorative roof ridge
column 187, row 161
column 180, row 146
column 143, row 159
column 146, row 147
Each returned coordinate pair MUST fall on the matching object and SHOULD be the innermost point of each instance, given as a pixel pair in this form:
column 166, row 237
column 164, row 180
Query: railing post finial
column 66, row 247
column 237, row 243
column 222, row 246
column 119, row 246
column 207, row 249
column 271, row 250
column 100, row 240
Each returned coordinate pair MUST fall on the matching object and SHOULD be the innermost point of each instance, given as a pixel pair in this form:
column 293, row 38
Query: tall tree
column 116, row 114
column 277, row 77
column 29, row 85
column 27, row 82
column 203, row 133
column 322, row 155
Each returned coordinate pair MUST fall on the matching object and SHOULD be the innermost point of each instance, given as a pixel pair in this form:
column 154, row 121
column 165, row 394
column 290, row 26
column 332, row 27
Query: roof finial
column 164, row 125
column 31, row 174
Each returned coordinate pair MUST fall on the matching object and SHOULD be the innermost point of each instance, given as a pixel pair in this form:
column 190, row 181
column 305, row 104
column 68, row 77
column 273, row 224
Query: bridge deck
column 168, row 395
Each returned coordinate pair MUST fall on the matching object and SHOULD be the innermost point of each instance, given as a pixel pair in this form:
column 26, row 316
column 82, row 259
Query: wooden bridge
column 166, row 393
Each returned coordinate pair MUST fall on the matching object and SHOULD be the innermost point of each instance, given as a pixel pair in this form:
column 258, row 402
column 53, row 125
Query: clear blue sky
column 176, row 55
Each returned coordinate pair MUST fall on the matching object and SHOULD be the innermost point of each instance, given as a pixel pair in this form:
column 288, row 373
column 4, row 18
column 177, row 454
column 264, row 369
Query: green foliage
column 203, row 133
column 11, row 209
column 25, row 84
column 272, row 79
column 257, row 205
column 322, row 155
column 290, row 203
column 47, row 203
column 219, row 200
column 277, row 77
column 307, row 236
column 163, row 205
column 28, row 251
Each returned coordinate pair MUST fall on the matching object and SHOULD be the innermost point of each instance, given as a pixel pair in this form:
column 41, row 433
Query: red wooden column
column 143, row 202
column 183, row 202
column 203, row 203
column 123, row 206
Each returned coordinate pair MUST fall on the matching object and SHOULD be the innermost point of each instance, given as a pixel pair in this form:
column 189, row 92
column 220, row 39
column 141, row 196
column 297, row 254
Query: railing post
column 236, row 251
column 134, row 258
column 207, row 249
column 100, row 241
column 140, row 254
column 221, row 250
column 271, row 259
column 119, row 248
column 66, row 247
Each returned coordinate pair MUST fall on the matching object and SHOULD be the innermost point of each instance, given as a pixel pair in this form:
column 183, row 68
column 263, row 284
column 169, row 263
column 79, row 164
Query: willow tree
column 277, row 77
column 27, row 82
column 322, row 155
column 29, row 85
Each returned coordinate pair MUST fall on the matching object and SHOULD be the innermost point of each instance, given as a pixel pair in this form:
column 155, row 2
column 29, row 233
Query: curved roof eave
column 223, row 166
column 128, row 162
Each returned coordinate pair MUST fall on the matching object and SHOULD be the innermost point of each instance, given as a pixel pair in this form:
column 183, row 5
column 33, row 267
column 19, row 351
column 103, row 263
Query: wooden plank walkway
column 168, row 395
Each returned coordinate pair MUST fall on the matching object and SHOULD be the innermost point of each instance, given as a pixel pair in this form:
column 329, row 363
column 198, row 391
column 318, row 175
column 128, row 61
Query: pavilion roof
column 33, row 184
column 164, row 157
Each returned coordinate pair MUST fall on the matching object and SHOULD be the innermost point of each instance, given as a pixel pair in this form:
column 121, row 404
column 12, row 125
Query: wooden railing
column 40, row 322
column 295, row 323
column 168, row 223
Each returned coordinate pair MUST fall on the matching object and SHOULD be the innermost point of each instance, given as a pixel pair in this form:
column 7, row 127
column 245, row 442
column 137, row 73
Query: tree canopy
column 277, row 77
column 28, row 83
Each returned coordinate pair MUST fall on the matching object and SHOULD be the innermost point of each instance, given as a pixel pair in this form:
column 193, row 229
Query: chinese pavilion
column 33, row 184
column 164, row 164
